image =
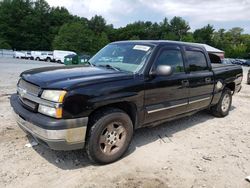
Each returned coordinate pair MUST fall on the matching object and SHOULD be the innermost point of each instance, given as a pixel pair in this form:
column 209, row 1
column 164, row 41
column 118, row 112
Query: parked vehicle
column 76, row 59
column 59, row 55
column 247, row 63
column 27, row 54
column 42, row 56
column 36, row 55
column 19, row 55
column 125, row 86
column 47, row 56
column 226, row 61
column 71, row 59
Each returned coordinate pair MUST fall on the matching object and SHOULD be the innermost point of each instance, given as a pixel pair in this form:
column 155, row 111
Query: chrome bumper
column 72, row 135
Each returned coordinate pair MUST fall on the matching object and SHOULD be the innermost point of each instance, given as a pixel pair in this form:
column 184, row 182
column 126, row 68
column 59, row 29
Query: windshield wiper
column 109, row 67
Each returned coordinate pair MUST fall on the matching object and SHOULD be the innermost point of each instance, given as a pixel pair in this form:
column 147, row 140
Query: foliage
column 204, row 35
column 74, row 36
column 4, row 44
column 179, row 27
column 34, row 25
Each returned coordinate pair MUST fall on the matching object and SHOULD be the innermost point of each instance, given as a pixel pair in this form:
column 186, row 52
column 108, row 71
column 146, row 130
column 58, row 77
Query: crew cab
column 125, row 86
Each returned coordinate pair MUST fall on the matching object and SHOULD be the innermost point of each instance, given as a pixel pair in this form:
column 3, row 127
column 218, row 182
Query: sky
column 219, row 13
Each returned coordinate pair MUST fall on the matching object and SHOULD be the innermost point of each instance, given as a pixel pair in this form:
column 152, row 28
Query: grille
column 30, row 104
column 30, row 89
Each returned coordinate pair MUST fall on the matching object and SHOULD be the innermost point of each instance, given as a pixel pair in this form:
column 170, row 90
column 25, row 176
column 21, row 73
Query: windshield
column 124, row 57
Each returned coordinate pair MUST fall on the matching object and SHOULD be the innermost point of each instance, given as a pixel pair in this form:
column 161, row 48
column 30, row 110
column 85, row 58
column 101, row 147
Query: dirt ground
column 196, row 151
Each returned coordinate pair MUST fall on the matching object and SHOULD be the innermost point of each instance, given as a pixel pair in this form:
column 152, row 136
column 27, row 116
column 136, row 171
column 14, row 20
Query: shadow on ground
column 69, row 160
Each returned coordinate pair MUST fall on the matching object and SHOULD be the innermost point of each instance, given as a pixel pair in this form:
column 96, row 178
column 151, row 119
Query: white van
column 60, row 54
column 36, row 55
column 19, row 55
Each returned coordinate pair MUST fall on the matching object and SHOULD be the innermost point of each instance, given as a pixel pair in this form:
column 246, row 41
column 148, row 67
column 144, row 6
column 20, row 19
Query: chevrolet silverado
column 125, row 86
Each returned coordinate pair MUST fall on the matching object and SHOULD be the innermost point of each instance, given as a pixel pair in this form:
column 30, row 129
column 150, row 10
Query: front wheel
column 109, row 136
column 221, row 109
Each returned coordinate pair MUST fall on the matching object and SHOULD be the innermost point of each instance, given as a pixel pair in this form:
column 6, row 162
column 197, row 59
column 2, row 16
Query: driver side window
column 172, row 58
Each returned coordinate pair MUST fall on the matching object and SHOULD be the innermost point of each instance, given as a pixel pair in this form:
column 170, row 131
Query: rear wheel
column 48, row 59
column 37, row 59
column 221, row 109
column 109, row 136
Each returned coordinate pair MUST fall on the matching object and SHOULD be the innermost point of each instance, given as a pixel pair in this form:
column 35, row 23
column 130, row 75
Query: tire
column 109, row 136
column 221, row 109
column 48, row 59
column 37, row 59
column 59, row 61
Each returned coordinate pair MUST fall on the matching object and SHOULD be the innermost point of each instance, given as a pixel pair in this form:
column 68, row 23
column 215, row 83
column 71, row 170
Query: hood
column 65, row 77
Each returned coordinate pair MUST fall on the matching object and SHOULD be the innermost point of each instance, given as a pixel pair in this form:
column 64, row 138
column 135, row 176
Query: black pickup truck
column 125, row 86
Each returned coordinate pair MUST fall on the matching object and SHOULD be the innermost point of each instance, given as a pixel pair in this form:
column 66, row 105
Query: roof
column 207, row 47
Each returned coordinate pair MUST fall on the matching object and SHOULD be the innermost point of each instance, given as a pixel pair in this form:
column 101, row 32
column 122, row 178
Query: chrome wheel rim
column 225, row 103
column 112, row 138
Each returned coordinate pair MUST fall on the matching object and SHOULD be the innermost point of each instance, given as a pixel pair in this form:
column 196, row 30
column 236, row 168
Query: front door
column 166, row 96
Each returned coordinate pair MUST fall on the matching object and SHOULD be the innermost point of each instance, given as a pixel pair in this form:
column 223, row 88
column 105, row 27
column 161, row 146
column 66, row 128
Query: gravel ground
column 196, row 151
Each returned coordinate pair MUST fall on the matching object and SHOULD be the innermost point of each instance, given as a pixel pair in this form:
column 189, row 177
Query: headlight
column 50, row 111
column 54, row 95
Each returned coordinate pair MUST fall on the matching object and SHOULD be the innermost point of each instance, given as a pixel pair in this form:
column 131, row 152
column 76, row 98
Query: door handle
column 185, row 82
column 208, row 79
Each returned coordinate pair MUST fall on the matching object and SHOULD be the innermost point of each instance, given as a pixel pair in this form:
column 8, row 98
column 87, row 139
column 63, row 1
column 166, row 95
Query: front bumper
column 57, row 134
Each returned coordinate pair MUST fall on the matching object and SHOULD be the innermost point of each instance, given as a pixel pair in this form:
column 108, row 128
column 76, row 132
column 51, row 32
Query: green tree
column 97, row 24
column 12, row 13
column 204, row 35
column 135, row 37
column 99, row 41
column 74, row 36
column 4, row 44
column 188, row 37
column 219, row 39
column 57, row 17
column 164, row 29
column 35, row 27
column 179, row 27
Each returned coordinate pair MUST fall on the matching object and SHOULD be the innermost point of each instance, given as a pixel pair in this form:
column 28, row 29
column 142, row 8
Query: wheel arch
column 128, row 107
column 230, row 86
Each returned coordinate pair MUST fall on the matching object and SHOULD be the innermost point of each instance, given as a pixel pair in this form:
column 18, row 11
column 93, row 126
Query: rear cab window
column 196, row 60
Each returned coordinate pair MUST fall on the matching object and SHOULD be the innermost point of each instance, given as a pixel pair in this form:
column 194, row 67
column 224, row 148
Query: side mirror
column 163, row 70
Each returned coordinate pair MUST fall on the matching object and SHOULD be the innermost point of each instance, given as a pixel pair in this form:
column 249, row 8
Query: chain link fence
column 6, row 53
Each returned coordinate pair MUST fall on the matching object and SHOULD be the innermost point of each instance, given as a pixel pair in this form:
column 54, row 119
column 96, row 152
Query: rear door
column 200, row 78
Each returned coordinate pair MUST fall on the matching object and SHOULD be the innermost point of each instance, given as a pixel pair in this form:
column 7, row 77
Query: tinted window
column 172, row 58
column 196, row 60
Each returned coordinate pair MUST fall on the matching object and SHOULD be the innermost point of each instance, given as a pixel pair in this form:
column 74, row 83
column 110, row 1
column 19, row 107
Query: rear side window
column 172, row 58
column 196, row 60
